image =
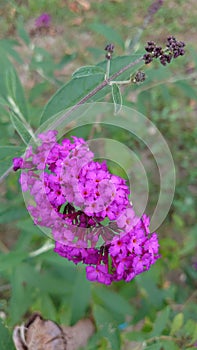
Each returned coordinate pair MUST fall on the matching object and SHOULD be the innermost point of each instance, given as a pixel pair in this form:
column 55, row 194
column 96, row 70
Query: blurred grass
column 171, row 106
column 171, row 109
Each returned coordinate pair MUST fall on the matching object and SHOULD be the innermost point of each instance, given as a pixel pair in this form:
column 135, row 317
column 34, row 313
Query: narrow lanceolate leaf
column 15, row 94
column 70, row 94
column 108, row 32
column 22, row 32
column 8, row 47
column 117, row 98
column 11, row 90
column 11, row 260
column 80, row 305
column 76, row 89
column 88, row 70
column 114, row 302
column 177, row 323
column 20, row 128
column 7, row 153
column 160, row 322
column 106, row 326
column 5, row 338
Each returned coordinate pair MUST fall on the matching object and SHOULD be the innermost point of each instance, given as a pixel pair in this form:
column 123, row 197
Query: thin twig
column 100, row 87
column 152, row 10
column 45, row 248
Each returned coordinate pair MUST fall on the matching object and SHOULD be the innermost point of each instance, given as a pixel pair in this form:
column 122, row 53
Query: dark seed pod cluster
column 173, row 49
column 110, row 49
column 139, row 77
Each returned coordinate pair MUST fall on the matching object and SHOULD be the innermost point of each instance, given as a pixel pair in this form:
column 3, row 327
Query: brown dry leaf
column 77, row 21
column 40, row 334
column 78, row 335
column 84, row 4
column 73, row 6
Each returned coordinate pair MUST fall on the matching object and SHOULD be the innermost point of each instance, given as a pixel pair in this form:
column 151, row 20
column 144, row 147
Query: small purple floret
column 43, row 20
column 17, row 163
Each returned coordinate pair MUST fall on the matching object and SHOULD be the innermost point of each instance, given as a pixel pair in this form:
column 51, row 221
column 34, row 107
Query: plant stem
column 120, row 82
column 152, row 10
column 108, row 69
column 47, row 246
column 101, row 86
column 89, row 95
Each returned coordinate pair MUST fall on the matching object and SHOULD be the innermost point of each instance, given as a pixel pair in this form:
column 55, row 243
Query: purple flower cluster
column 126, row 256
column 173, row 49
column 43, row 20
column 87, row 209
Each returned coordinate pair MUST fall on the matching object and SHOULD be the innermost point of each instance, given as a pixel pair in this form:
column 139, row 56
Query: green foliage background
column 158, row 309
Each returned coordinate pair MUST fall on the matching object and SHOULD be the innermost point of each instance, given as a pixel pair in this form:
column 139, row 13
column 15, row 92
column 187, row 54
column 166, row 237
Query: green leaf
column 194, row 335
column 7, row 47
column 188, row 90
column 20, row 128
column 117, row 98
column 108, row 32
column 120, row 62
column 147, row 282
column 22, row 292
column 7, row 153
column 28, row 284
column 154, row 347
column 46, row 306
column 10, row 79
column 95, row 51
column 137, row 335
column 10, row 260
column 22, row 32
column 190, row 330
column 88, row 70
column 76, row 89
column 115, row 302
column 15, row 94
column 11, row 89
column 27, row 226
column 106, row 328
column 13, row 214
column 70, row 94
column 66, row 59
column 177, row 323
column 164, row 345
column 50, row 280
column 43, row 62
column 5, row 338
column 3, row 101
column 160, row 322
column 80, row 302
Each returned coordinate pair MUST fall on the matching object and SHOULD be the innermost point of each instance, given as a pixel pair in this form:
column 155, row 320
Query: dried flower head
column 139, row 77
column 173, row 49
column 110, row 49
